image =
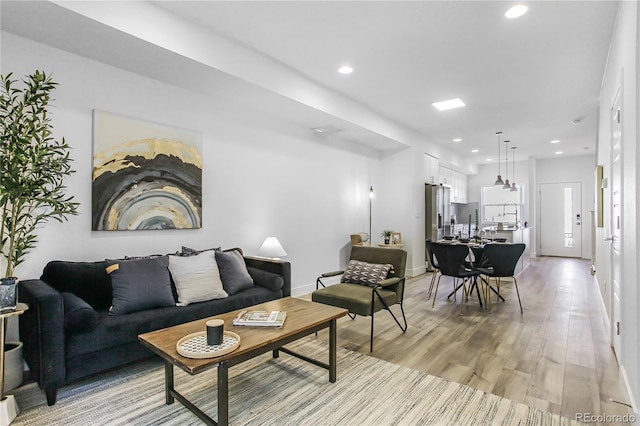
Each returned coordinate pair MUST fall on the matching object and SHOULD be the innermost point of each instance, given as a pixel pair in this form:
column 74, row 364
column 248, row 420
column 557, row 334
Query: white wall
column 622, row 73
column 570, row 169
column 262, row 175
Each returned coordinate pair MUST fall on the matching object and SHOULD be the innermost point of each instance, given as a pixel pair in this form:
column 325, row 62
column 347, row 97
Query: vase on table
column 8, row 293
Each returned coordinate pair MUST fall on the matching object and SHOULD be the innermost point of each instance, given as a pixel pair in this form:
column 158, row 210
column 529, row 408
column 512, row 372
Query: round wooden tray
column 195, row 345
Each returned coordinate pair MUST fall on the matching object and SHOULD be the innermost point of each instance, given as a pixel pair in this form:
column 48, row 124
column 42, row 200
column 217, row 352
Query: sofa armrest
column 274, row 266
column 42, row 332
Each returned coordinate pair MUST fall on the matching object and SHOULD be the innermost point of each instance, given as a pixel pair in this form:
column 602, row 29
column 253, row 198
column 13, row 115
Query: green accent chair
column 366, row 300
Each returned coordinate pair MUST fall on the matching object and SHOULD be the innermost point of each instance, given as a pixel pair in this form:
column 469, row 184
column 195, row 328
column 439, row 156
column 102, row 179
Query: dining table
column 477, row 259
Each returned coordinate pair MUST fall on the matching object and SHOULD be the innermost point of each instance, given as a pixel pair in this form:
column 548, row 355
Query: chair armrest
column 42, row 332
column 274, row 266
column 331, row 274
column 388, row 282
column 326, row 275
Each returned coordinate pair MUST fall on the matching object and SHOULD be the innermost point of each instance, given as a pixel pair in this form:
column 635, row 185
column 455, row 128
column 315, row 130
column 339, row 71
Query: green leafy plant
column 386, row 233
column 33, row 166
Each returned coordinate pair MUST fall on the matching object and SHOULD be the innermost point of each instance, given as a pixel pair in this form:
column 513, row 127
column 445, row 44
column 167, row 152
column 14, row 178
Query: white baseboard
column 627, row 385
column 302, row 290
column 414, row 272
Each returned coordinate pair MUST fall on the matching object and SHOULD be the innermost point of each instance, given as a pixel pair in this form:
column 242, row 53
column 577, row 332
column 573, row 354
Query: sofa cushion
column 233, row 271
column 197, row 278
column 87, row 280
column 140, row 284
column 79, row 316
column 273, row 282
column 358, row 272
column 115, row 330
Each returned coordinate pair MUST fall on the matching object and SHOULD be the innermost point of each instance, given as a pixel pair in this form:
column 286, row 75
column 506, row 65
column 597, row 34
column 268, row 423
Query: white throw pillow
column 197, row 278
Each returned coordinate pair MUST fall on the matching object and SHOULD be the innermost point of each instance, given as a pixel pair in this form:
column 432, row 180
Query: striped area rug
column 283, row 391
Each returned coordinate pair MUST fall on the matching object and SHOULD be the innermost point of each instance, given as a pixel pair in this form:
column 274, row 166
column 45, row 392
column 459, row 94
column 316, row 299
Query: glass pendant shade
column 499, row 180
column 506, row 185
column 514, row 188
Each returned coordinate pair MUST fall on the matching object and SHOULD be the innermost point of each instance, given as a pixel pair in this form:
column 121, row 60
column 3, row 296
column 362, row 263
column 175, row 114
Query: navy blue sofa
column 68, row 333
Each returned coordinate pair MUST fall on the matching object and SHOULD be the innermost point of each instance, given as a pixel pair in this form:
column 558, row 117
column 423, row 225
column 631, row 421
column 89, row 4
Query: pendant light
column 513, row 156
column 506, row 185
column 499, row 180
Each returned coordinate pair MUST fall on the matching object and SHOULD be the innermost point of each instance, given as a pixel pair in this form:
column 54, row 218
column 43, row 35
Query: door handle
column 609, row 238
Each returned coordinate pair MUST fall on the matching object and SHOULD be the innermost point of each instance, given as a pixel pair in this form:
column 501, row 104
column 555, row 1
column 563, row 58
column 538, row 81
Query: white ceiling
column 528, row 77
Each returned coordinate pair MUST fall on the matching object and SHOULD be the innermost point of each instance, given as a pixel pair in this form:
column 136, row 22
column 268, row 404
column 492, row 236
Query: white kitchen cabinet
column 445, row 176
column 431, row 169
column 462, row 188
column 458, row 183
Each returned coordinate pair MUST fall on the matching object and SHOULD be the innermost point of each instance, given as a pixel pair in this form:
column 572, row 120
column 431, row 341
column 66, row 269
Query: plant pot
column 13, row 365
column 8, row 293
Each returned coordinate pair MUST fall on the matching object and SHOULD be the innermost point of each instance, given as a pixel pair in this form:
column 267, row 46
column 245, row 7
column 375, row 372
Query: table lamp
column 272, row 248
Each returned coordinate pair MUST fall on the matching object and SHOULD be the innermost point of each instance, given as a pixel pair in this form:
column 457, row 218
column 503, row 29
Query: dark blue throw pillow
column 140, row 284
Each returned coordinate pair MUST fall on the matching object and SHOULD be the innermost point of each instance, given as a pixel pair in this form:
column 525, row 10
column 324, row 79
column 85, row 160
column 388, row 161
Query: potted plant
column 33, row 166
column 387, row 235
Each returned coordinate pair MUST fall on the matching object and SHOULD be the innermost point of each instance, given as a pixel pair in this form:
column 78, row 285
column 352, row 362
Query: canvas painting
column 145, row 175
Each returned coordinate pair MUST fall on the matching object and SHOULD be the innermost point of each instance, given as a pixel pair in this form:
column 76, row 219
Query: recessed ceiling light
column 345, row 69
column 559, row 152
column 475, row 150
column 555, row 141
column 489, row 159
column 449, row 104
column 516, row 11
column 457, row 140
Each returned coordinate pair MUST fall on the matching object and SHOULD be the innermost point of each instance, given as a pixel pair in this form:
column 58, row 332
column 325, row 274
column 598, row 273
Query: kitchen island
column 516, row 235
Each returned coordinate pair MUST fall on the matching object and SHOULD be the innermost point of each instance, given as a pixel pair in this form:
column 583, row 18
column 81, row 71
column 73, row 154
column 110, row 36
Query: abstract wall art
column 145, row 175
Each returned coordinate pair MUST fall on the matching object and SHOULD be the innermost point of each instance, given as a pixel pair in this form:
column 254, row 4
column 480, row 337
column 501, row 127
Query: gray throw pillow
column 358, row 272
column 140, row 284
column 233, row 271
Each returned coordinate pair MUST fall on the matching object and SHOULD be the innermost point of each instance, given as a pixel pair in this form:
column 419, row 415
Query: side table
column 391, row 246
column 8, row 406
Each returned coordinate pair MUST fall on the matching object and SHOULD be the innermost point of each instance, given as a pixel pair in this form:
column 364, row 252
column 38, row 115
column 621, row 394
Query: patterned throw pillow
column 358, row 272
column 188, row 251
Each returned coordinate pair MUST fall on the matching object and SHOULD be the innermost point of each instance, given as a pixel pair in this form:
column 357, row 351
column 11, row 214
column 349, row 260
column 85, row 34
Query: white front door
column 561, row 219
column 616, row 222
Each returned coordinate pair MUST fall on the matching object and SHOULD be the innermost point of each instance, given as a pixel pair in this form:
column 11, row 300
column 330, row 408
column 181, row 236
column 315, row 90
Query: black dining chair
column 451, row 260
column 434, row 266
column 502, row 260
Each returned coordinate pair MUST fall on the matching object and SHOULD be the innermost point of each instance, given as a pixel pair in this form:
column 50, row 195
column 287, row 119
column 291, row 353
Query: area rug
column 282, row 391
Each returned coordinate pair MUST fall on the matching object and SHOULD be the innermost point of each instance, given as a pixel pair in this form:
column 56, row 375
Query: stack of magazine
column 260, row 318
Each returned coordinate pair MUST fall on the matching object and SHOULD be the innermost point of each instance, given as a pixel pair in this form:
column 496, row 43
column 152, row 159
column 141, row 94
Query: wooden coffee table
column 303, row 318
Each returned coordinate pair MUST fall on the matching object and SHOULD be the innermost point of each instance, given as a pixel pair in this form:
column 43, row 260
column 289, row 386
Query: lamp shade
column 271, row 248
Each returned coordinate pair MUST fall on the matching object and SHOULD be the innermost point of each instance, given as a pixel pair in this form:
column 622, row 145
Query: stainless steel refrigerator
column 437, row 200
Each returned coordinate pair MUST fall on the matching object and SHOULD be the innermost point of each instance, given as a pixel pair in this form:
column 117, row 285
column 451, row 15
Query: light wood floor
column 556, row 356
